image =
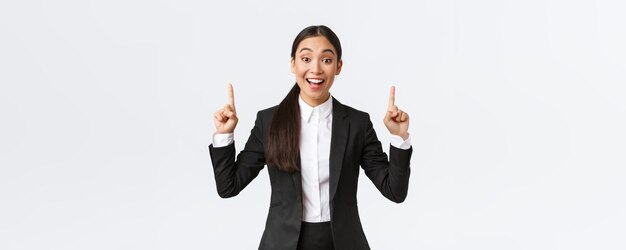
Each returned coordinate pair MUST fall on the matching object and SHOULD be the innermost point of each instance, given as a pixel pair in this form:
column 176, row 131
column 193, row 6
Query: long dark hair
column 283, row 144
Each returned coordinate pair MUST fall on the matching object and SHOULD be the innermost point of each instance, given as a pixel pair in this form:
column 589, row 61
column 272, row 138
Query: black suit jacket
column 353, row 144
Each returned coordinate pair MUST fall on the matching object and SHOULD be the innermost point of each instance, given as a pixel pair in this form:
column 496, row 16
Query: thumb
column 388, row 117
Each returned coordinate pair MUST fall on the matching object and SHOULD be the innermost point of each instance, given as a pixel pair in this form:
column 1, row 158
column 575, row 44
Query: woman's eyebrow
column 326, row 50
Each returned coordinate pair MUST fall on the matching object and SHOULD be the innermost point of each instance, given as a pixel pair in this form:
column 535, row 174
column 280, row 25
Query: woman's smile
column 315, row 83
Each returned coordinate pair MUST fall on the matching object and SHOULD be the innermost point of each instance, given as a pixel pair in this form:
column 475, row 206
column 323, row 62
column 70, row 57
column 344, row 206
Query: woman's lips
column 315, row 83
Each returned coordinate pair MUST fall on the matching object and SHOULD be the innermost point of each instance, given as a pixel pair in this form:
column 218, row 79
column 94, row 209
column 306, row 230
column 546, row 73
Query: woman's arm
column 389, row 175
column 232, row 176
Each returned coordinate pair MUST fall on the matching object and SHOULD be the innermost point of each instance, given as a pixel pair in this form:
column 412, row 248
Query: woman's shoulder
column 267, row 113
column 345, row 110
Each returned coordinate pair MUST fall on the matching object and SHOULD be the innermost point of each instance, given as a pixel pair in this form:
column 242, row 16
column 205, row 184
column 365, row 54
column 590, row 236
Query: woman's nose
column 316, row 68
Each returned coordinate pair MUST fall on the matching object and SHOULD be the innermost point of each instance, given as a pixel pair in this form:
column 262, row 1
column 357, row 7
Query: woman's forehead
column 319, row 44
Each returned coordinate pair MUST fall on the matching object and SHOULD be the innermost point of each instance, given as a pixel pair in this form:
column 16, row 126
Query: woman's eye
column 326, row 60
column 306, row 59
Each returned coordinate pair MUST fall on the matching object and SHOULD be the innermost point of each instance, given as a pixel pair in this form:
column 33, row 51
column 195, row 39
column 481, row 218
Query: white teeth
column 316, row 81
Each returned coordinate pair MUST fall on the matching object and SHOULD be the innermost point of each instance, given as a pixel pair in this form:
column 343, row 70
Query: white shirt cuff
column 222, row 140
column 398, row 142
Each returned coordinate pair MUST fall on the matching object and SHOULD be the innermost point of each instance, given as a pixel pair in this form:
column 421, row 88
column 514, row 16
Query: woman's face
column 315, row 66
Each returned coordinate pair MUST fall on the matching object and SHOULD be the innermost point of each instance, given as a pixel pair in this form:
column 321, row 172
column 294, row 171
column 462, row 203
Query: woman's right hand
column 226, row 117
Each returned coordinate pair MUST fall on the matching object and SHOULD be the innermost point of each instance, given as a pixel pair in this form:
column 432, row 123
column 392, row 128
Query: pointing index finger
column 392, row 97
column 231, row 96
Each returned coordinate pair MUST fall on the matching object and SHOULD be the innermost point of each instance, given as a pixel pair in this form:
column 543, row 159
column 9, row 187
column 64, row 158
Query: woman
column 313, row 146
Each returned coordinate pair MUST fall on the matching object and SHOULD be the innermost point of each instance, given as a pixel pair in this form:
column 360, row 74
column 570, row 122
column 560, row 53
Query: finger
column 404, row 116
column 393, row 114
column 231, row 96
column 219, row 116
column 399, row 116
column 228, row 111
column 392, row 97
column 393, row 109
column 228, row 108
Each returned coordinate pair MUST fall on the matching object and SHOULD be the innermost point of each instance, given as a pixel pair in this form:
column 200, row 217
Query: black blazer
column 353, row 144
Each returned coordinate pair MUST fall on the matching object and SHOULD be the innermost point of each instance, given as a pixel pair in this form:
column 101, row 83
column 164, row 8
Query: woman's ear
column 339, row 64
column 293, row 65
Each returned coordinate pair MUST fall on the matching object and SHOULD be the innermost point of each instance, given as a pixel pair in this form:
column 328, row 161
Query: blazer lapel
column 338, row 142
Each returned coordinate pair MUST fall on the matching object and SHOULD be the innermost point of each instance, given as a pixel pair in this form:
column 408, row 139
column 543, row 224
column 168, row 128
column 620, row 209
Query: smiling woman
column 313, row 146
column 315, row 60
column 315, row 66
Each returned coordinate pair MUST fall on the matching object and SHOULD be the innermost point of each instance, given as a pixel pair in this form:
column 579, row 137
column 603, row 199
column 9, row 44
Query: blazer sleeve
column 390, row 176
column 232, row 176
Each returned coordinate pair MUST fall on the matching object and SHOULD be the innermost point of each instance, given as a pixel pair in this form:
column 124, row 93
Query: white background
column 518, row 110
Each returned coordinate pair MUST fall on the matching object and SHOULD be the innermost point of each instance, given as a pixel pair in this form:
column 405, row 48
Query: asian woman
column 313, row 146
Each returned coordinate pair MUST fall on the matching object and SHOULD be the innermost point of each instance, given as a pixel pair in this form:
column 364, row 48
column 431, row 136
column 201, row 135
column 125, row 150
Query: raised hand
column 226, row 117
column 396, row 120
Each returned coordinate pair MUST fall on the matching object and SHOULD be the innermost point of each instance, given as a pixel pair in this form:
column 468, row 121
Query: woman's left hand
column 396, row 120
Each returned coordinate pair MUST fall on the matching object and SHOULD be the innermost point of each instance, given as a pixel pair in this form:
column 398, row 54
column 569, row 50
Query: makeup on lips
column 315, row 83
